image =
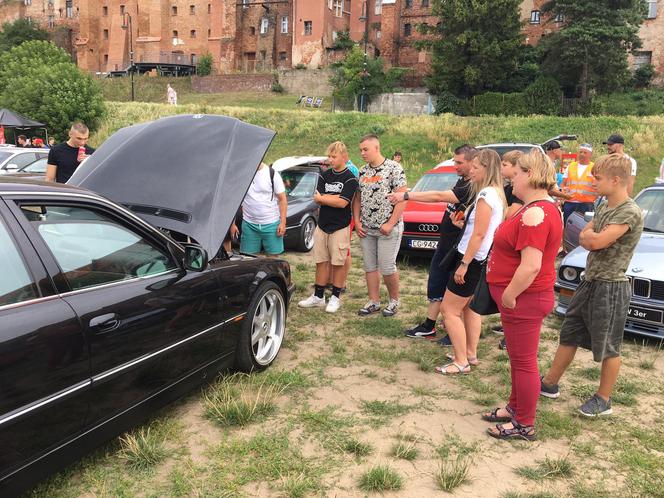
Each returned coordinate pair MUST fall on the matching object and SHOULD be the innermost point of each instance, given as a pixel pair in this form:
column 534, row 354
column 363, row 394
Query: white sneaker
column 333, row 304
column 312, row 302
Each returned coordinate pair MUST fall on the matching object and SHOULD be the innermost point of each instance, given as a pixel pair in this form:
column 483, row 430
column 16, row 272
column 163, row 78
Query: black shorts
column 473, row 273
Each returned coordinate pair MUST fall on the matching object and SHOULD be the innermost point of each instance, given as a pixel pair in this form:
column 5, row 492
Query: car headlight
column 570, row 274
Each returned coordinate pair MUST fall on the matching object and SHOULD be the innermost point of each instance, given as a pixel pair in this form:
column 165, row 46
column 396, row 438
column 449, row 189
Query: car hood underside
column 187, row 173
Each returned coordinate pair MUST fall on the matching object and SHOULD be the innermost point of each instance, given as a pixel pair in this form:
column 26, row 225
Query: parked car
column 33, row 171
column 422, row 219
column 104, row 318
column 13, row 159
column 300, row 176
column 645, row 271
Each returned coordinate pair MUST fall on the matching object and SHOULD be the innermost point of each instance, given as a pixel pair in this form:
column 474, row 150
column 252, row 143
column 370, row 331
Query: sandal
column 461, row 369
column 518, row 431
column 492, row 416
column 472, row 360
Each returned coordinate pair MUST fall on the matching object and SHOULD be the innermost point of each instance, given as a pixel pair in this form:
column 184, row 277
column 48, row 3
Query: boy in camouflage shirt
column 596, row 315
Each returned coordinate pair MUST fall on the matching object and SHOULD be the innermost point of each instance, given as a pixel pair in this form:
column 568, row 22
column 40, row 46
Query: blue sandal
column 518, row 431
column 492, row 416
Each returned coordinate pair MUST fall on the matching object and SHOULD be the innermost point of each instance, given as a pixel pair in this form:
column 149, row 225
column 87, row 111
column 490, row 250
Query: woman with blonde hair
column 482, row 219
column 521, row 274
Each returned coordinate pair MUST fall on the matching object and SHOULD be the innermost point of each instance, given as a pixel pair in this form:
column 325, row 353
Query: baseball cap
column 552, row 145
column 615, row 139
column 587, row 147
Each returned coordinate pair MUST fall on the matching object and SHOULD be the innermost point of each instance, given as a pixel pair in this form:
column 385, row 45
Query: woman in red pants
column 521, row 275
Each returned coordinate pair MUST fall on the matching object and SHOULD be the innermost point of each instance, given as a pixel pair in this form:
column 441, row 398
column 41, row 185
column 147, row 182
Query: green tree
column 204, row 66
column 476, row 47
column 39, row 80
column 350, row 80
column 590, row 51
column 20, row 31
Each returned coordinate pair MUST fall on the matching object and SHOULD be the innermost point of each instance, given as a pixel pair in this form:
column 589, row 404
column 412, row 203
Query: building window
column 192, row 10
column 51, row 21
column 209, row 8
column 192, row 33
column 27, row 2
column 283, row 57
column 209, row 32
column 175, row 35
column 69, row 9
column 265, row 23
column 174, row 10
column 652, row 9
column 407, row 29
column 378, row 7
column 245, row 4
column 560, row 17
column 338, row 8
column 642, row 59
column 534, row 17
column 284, row 24
column 105, row 58
column 105, row 34
column 409, row 4
column 425, row 3
column 193, row 59
column 308, row 28
column 104, row 11
column 252, row 30
column 379, row 33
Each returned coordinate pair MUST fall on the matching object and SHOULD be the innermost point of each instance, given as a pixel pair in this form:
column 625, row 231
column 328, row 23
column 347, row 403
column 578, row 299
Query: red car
column 422, row 219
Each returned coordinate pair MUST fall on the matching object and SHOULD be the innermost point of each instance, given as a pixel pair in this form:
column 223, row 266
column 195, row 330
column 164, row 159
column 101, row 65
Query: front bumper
column 636, row 326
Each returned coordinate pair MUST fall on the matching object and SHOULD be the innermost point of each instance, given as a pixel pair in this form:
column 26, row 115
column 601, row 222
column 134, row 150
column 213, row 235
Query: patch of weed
column 554, row 425
column 454, row 445
column 380, row 478
column 356, row 447
column 404, row 449
column 142, row 448
column 549, row 468
column 382, row 409
column 453, row 473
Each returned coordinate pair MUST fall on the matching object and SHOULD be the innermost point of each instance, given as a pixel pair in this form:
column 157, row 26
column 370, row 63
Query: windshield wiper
column 652, row 230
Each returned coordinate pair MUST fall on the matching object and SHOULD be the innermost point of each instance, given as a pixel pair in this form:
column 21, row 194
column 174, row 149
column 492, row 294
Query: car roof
column 12, row 185
column 285, row 163
column 23, row 149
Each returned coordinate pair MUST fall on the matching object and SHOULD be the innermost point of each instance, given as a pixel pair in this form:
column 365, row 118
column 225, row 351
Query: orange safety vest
column 581, row 188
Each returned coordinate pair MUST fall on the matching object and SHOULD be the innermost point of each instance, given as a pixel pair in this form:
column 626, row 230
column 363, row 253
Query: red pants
column 522, row 327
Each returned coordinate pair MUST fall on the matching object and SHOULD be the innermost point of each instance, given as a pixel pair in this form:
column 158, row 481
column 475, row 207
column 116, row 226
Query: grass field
column 351, row 408
column 424, row 140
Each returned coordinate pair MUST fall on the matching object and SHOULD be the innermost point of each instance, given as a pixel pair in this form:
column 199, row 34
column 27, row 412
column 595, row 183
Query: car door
column 147, row 321
column 44, row 362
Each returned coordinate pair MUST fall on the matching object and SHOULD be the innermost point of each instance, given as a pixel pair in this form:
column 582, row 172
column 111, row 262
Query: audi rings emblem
column 426, row 227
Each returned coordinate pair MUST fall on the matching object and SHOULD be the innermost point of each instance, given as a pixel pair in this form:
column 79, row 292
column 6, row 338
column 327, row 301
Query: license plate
column 423, row 244
column 645, row 314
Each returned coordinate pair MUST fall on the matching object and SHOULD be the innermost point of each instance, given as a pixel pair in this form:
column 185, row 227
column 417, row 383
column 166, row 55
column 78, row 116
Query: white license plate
column 423, row 244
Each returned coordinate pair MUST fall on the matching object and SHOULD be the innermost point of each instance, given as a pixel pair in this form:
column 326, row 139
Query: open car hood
column 187, row 173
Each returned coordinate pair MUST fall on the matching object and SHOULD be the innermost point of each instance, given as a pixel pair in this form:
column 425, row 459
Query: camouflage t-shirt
column 610, row 264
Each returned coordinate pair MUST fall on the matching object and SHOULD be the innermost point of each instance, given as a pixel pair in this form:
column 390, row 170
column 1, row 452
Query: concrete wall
column 402, row 103
column 220, row 83
column 311, row 82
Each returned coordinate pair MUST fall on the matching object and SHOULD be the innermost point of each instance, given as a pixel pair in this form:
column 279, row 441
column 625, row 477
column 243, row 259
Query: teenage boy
column 596, row 315
column 335, row 191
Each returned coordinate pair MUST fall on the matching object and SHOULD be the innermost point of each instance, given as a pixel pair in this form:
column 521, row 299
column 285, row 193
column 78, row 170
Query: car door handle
column 104, row 323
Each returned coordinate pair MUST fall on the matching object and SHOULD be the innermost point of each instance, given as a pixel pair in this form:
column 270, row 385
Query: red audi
column 422, row 219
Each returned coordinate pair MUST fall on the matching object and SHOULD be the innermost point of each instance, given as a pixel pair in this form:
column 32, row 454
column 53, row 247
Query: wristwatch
column 406, row 196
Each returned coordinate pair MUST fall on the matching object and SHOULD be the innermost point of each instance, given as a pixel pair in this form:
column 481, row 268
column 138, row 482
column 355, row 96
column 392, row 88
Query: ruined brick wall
column 220, row 83
column 260, row 46
column 652, row 36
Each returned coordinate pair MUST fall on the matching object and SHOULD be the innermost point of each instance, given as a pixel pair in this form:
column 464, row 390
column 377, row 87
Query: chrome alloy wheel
column 268, row 327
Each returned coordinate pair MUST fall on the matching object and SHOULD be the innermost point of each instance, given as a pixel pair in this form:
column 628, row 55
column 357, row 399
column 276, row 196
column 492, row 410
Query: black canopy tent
column 17, row 122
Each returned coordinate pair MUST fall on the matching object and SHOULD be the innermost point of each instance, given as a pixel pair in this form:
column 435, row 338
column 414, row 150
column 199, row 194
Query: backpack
column 272, row 181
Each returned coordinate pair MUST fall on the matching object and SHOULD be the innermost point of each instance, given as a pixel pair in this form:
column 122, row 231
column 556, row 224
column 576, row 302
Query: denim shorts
column 261, row 237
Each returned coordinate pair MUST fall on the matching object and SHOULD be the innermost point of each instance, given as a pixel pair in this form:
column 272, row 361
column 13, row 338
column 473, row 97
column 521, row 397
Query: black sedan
column 103, row 317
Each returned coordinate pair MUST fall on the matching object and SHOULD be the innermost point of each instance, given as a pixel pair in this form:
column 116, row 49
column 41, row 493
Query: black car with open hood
column 104, row 318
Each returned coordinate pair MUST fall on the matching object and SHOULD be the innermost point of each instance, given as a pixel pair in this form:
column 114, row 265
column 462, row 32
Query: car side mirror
column 195, row 258
column 11, row 167
column 588, row 216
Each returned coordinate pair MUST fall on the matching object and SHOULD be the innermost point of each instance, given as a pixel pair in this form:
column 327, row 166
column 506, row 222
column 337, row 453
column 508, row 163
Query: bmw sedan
column 103, row 316
column 645, row 271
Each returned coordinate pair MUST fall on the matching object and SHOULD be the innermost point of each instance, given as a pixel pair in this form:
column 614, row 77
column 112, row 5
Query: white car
column 13, row 159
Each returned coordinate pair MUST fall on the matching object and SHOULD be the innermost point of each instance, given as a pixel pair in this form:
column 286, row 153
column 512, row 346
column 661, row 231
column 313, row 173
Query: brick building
column 261, row 35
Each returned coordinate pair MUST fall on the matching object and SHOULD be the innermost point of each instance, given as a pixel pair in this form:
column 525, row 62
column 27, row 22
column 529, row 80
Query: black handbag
column 482, row 303
column 451, row 258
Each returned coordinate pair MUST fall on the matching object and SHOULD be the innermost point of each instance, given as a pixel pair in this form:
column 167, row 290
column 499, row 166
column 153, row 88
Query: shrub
column 448, row 102
column 543, row 96
column 497, row 104
column 643, row 76
column 204, row 66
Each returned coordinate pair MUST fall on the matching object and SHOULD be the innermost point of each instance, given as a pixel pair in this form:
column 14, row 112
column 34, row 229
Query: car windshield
column 436, row 181
column 4, row 156
column 299, row 183
column 651, row 203
column 39, row 166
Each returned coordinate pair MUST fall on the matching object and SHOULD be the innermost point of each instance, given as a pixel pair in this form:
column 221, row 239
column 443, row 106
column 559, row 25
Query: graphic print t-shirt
column 344, row 184
column 375, row 184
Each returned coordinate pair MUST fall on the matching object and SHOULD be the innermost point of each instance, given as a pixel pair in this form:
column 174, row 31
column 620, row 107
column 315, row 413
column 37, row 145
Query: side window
column 92, row 248
column 16, row 284
column 21, row 160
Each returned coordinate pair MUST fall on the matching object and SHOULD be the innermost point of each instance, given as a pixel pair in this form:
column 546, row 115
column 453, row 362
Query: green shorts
column 261, row 237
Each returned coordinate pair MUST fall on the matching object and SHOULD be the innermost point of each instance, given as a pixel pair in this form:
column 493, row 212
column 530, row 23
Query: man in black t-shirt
column 335, row 191
column 458, row 199
column 64, row 158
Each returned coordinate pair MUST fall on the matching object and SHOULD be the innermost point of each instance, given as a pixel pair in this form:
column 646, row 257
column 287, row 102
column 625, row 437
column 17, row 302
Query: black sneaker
column 502, row 344
column 369, row 309
column 498, row 329
column 548, row 390
column 420, row 332
column 596, row 407
column 444, row 341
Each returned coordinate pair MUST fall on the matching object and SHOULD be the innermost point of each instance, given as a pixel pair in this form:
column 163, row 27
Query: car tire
column 305, row 241
column 263, row 329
